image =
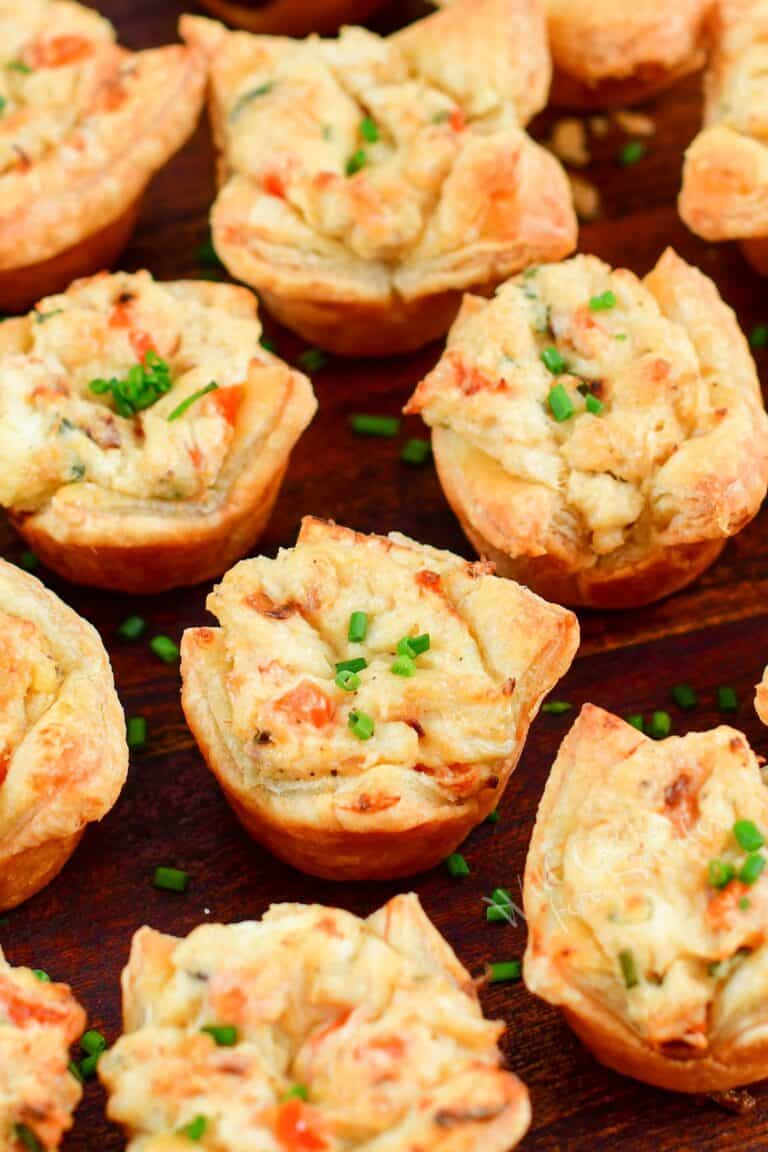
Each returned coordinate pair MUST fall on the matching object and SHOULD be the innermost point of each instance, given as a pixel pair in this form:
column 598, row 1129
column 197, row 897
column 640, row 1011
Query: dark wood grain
column 171, row 812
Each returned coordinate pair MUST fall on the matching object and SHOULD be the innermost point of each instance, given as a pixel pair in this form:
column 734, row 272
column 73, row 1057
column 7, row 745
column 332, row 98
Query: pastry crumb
column 634, row 123
column 569, row 142
column 586, row 198
column 599, row 126
column 736, row 1100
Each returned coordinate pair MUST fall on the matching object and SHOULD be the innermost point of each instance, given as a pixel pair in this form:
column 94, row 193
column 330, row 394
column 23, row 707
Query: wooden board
column 171, row 812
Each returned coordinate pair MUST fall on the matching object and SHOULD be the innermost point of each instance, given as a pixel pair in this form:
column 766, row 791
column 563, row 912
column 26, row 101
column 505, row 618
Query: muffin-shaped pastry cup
column 145, row 430
column 292, row 17
column 646, row 904
column 39, row 1020
column 340, row 1033
column 598, row 436
column 85, row 126
column 365, row 183
column 378, row 768
column 63, row 754
column 725, row 178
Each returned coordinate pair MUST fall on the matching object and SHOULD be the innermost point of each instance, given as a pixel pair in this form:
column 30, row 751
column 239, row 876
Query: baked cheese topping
column 433, row 696
column 38, row 1022
column 650, row 867
column 130, row 388
column 333, row 1033
column 576, row 382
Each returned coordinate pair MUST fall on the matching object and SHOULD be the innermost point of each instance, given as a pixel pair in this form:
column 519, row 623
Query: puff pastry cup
column 144, row 431
column 365, row 182
column 346, row 1035
column 292, row 17
column 647, row 909
column 382, row 774
column 599, row 436
column 63, row 753
column 39, row 1021
column 84, row 125
column 725, row 177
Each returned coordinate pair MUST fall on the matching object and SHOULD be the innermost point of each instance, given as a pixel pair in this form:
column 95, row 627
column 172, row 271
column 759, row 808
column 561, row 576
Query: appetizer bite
column 84, row 125
column 366, row 182
column 761, row 698
column 144, row 430
column 599, row 436
column 39, row 1021
column 309, row 1031
column 647, row 902
column 366, row 698
column 63, row 755
column 725, row 178
column 292, row 17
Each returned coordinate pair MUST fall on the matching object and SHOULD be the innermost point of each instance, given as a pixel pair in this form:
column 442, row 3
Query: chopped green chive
column 492, row 817
column 369, row 130
column 366, row 425
column 457, row 865
column 356, row 161
column 19, row 66
column 758, row 337
column 556, row 707
column 685, row 697
column 361, row 725
column 165, row 648
column 628, row 968
column 498, row 913
column 29, row 562
column 727, row 700
column 74, row 1070
column 504, row 971
column 620, row 336
column 356, row 664
column 142, row 387
column 560, row 403
column 660, row 725
column 247, row 98
column 190, row 400
column 348, row 681
column 297, row 1092
column 89, row 1065
column 225, row 1035
column 414, row 646
column 552, row 360
column 752, row 868
column 403, row 666
column 358, row 627
column 27, row 1137
column 268, row 344
column 592, row 404
column 744, row 904
column 631, row 153
column 132, row 628
column 41, row 317
column 313, row 359
column 3, row 104
column 93, row 1042
column 636, row 720
column 416, row 452
column 207, row 255
column 171, row 879
column 603, row 302
column 748, row 835
column 195, row 1130
column 501, row 896
column 720, row 873
column 136, row 732
column 42, row 976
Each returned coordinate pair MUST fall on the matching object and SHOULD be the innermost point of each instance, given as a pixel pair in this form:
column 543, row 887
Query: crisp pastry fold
column 725, row 179
column 365, row 182
column 647, row 905
column 341, row 1035
column 381, row 767
column 84, row 125
column 63, row 754
column 39, row 1021
column 599, row 436
column 144, row 430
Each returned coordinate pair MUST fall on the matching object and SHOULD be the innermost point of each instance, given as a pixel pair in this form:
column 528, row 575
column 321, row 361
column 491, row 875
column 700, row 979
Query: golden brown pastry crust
column 105, row 515
column 375, row 1019
column 39, row 1020
column 725, row 179
column 658, row 971
column 292, row 17
column 86, row 124
column 452, row 194
column 273, row 724
column 63, row 755
column 761, row 698
column 527, row 492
